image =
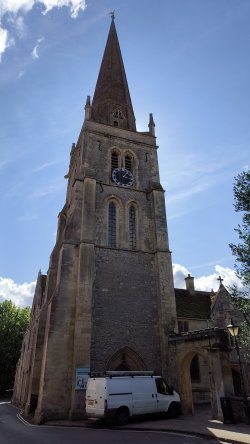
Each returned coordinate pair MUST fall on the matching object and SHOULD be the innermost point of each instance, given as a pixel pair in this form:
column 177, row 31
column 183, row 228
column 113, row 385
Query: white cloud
column 34, row 52
column 75, row 5
column 17, row 21
column 179, row 272
column 13, row 6
column 4, row 41
column 206, row 283
column 19, row 25
column 14, row 9
column 228, row 275
column 16, row 6
column 20, row 294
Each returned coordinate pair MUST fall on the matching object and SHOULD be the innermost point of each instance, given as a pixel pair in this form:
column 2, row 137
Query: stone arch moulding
column 126, row 359
column 114, row 149
column 131, row 154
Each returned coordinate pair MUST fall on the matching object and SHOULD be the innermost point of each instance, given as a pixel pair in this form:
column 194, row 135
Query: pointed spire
column 111, row 102
column 87, row 108
column 151, row 125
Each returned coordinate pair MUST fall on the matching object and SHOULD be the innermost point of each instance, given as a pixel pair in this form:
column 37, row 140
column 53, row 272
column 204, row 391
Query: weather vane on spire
column 112, row 13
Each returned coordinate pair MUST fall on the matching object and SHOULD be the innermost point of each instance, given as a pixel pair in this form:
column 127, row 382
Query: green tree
column 241, row 301
column 241, row 251
column 13, row 324
column 242, row 204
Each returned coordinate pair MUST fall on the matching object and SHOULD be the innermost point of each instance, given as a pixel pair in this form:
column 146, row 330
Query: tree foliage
column 13, row 324
column 241, row 251
column 241, row 301
column 242, row 204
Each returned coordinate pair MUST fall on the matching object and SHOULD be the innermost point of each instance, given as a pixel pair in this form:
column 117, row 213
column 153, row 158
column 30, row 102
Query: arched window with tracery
column 114, row 162
column 112, row 225
column 132, row 227
column 128, row 162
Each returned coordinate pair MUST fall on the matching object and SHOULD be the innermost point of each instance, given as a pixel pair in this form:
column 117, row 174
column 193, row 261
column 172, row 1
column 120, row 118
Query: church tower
column 109, row 299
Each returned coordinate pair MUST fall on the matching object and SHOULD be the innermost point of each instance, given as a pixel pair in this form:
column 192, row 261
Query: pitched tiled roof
column 192, row 305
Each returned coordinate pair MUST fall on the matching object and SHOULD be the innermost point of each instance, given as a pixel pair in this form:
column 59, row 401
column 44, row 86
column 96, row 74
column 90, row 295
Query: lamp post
column 234, row 331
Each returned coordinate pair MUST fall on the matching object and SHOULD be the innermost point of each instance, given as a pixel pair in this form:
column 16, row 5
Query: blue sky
column 187, row 61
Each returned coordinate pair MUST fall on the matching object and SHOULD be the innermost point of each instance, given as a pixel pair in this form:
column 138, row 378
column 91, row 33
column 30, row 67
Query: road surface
column 13, row 430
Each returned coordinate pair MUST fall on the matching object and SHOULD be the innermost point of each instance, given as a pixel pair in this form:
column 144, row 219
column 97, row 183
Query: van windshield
column 162, row 387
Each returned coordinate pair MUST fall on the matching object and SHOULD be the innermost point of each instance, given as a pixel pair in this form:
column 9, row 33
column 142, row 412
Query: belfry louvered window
column 132, row 228
column 128, row 163
column 114, row 162
column 112, row 225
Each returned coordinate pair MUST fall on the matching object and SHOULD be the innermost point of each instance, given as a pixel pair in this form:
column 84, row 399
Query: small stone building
column 207, row 363
column 108, row 300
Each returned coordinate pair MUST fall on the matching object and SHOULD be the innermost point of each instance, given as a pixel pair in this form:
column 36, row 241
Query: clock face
column 122, row 177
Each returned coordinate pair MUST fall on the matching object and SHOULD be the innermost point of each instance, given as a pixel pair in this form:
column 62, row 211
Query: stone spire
column 151, row 125
column 112, row 103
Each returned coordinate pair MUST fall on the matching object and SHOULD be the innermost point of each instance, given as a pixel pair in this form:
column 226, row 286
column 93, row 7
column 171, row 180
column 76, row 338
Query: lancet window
column 112, row 225
column 132, row 227
column 114, row 161
column 128, row 163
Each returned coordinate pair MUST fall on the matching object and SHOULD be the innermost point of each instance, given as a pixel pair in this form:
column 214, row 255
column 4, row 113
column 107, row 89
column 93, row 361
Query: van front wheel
column 122, row 416
column 173, row 410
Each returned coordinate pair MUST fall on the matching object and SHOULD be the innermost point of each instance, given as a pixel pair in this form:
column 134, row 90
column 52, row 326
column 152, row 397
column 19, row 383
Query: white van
column 120, row 395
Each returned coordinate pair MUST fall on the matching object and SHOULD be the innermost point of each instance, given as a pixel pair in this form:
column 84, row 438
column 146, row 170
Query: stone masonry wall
column 124, row 307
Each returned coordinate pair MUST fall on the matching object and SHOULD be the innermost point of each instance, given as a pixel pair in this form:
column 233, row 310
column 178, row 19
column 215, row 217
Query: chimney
column 190, row 283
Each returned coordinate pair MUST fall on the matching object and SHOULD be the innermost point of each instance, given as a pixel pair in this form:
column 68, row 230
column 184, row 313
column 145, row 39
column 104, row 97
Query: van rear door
column 95, row 397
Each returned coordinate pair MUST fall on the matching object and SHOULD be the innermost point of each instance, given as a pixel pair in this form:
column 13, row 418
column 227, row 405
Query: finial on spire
column 220, row 279
column 151, row 125
column 87, row 108
column 112, row 14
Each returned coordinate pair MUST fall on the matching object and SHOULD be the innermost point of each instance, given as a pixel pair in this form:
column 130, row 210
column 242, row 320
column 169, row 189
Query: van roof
column 114, row 373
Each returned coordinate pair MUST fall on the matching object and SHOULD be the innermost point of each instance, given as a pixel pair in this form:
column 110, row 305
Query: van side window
column 162, row 387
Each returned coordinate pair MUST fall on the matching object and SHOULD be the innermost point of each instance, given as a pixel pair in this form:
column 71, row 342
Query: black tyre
column 173, row 410
column 122, row 416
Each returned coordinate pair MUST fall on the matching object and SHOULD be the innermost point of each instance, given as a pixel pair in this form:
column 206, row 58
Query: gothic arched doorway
column 126, row 359
column 195, row 384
